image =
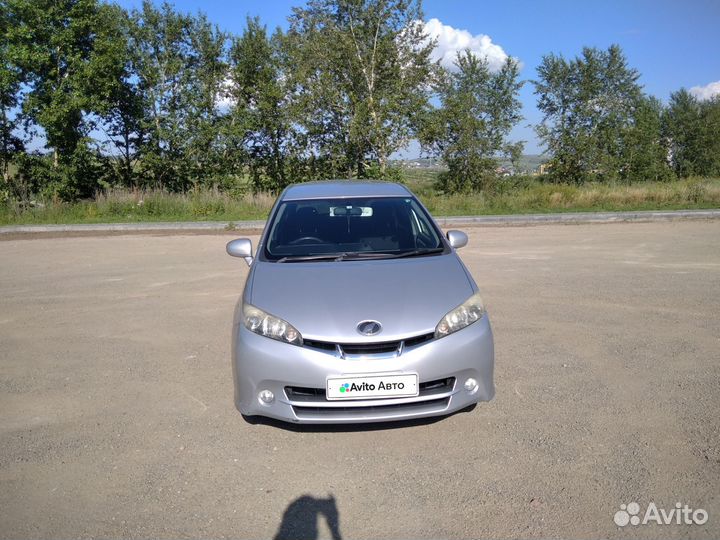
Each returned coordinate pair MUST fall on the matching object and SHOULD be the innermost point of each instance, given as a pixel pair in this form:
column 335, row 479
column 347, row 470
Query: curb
column 160, row 226
column 582, row 217
column 505, row 220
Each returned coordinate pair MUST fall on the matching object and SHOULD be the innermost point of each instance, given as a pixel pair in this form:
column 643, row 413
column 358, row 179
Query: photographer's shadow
column 300, row 520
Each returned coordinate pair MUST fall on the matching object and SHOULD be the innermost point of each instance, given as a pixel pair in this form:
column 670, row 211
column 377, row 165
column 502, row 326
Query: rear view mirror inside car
column 358, row 211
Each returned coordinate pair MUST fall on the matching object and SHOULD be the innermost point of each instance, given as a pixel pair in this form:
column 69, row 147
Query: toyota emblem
column 369, row 328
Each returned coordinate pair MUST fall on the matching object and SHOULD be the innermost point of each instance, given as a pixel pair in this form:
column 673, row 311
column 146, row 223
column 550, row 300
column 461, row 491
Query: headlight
column 464, row 315
column 256, row 320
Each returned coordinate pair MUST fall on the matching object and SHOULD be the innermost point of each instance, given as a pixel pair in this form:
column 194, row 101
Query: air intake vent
column 320, row 345
column 368, row 349
column 418, row 340
column 314, row 395
column 433, row 406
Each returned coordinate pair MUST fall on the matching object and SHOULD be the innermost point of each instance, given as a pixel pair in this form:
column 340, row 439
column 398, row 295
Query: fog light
column 266, row 397
column 471, row 385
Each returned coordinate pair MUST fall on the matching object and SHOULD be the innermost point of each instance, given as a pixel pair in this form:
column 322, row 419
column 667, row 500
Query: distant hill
column 528, row 162
column 419, row 163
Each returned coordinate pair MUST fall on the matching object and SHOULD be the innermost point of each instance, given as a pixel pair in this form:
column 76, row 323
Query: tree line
column 598, row 124
column 93, row 96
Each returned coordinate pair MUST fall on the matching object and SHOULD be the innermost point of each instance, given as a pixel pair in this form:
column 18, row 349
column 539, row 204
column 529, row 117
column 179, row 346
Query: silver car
column 357, row 309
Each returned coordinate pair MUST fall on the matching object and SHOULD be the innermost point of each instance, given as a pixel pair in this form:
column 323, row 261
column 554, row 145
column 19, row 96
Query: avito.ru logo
column 369, row 387
column 680, row 515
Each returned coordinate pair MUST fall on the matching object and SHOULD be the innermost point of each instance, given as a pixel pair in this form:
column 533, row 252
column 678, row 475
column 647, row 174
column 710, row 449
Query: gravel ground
column 116, row 414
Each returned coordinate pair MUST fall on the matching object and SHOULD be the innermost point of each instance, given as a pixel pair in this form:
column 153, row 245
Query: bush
column 74, row 177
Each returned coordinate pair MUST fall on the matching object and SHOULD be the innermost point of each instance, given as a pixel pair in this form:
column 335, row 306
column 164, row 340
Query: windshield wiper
column 381, row 255
column 356, row 255
column 301, row 258
column 359, row 255
column 418, row 252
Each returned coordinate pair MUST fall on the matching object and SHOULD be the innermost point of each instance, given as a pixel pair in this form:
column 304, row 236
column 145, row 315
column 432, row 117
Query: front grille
column 366, row 349
column 320, row 345
column 317, row 395
column 418, row 340
column 370, row 348
column 394, row 409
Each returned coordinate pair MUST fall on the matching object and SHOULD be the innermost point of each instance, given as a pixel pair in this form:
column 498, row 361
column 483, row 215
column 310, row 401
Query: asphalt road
column 116, row 413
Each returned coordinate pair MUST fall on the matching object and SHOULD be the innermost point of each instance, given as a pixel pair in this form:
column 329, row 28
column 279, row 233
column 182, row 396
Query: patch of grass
column 421, row 180
column 535, row 197
column 116, row 206
column 520, row 195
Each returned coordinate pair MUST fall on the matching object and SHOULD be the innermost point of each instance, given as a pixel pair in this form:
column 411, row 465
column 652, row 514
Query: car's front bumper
column 260, row 363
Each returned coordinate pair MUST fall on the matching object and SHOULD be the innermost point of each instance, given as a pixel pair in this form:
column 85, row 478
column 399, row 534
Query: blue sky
column 673, row 44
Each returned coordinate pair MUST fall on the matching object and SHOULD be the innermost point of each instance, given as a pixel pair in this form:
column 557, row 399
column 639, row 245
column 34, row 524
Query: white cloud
column 224, row 103
column 224, row 100
column 708, row 91
column 450, row 41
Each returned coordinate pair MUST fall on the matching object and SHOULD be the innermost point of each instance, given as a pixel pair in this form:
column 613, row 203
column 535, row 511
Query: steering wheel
column 305, row 239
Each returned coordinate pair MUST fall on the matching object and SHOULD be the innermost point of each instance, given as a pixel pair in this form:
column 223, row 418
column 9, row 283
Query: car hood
column 326, row 300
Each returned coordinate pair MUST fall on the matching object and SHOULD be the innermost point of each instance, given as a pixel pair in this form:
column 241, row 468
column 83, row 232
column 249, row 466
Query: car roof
column 343, row 189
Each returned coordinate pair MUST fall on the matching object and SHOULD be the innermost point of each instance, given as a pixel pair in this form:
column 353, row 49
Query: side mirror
column 241, row 247
column 457, row 239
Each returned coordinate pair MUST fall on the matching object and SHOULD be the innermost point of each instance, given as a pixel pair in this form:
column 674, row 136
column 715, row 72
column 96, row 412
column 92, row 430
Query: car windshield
column 342, row 229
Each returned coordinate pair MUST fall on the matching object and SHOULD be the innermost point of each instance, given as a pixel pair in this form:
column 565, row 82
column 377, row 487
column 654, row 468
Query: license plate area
column 372, row 386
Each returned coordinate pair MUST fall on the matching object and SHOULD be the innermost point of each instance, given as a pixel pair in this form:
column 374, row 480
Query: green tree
column 710, row 159
column 10, row 80
column 208, row 70
column 177, row 60
column 115, row 96
column 362, row 70
column 260, row 127
column 55, row 46
column 644, row 154
column 692, row 128
column 587, row 104
column 469, row 130
column 514, row 153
